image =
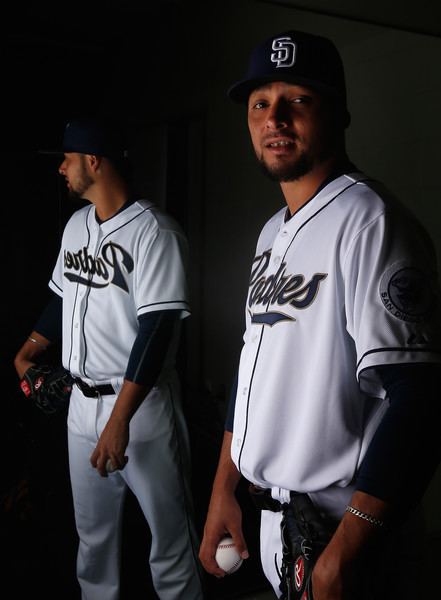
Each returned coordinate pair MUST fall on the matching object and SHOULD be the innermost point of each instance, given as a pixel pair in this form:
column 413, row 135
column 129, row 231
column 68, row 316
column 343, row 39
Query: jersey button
column 276, row 260
column 244, row 391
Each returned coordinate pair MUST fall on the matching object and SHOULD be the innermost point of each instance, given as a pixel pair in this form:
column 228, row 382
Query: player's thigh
column 97, row 500
column 156, row 476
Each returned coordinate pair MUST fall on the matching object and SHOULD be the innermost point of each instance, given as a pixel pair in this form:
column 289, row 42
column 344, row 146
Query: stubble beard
column 83, row 183
column 291, row 171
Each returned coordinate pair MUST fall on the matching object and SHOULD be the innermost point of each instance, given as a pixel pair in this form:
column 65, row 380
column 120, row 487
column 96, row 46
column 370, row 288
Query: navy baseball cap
column 90, row 135
column 294, row 57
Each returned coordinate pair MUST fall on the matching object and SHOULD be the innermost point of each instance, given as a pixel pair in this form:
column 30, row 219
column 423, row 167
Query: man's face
column 74, row 169
column 293, row 129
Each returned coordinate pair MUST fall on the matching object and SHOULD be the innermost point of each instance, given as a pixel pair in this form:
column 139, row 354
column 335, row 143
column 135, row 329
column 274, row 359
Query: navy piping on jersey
column 162, row 303
column 396, row 348
column 122, row 209
column 269, row 301
column 57, row 286
column 248, row 400
column 88, row 291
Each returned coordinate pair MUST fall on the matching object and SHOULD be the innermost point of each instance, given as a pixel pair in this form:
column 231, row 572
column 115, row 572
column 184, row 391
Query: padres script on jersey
column 333, row 291
column 129, row 265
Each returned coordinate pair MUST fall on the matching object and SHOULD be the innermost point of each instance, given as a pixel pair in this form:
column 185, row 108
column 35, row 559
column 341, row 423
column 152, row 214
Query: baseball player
column 337, row 393
column 120, row 294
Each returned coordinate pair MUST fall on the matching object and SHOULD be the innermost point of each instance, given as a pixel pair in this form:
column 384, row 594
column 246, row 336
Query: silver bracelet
column 31, row 339
column 365, row 516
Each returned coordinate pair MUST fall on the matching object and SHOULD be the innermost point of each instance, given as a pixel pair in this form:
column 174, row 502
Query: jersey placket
column 281, row 244
column 80, row 313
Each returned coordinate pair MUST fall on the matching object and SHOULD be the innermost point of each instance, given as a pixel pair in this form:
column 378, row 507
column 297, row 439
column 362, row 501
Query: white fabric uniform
column 348, row 283
column 108, row 275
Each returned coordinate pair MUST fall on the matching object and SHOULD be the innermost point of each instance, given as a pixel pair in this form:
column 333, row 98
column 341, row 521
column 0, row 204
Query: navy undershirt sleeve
column 231, row 406
column 406, row 448
column 151, row 345
column 50, row 322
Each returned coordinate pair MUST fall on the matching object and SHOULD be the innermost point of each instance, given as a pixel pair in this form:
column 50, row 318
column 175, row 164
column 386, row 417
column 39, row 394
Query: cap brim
column 240, row 91
column 51, row 152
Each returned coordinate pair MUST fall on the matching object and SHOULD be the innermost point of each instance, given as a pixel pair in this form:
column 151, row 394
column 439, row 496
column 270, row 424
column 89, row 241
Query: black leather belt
column 93, row 392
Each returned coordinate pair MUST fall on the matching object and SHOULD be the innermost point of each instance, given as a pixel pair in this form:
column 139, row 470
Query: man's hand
column 224, row 514
column 115, row 436
column 111, row 446
column 48, row 387
column 334, row 577
column 224, row 518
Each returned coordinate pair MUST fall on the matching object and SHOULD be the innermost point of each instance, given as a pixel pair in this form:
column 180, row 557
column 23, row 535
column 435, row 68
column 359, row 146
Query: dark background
column 129, row 61
column 161, row 69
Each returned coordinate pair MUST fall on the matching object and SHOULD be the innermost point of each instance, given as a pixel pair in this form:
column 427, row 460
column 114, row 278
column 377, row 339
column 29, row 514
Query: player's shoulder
column 370, row 197
column 79, row 215
column 372, row 203
column 275, row 221
column 368, row 192
column 157, row 218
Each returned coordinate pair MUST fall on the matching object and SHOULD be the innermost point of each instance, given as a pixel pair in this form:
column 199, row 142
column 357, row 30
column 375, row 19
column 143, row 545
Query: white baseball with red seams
column 227, row 556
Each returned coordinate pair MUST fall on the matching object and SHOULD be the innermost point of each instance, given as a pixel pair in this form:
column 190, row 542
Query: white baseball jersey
column 348, row 283
column 109, row 274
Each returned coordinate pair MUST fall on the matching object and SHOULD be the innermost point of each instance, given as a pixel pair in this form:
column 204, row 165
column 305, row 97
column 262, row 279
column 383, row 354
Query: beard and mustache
column 305, row 157
column 292, row 171
column 82, row 183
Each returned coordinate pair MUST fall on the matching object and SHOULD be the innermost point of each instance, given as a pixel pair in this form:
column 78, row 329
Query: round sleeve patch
column 407, row 293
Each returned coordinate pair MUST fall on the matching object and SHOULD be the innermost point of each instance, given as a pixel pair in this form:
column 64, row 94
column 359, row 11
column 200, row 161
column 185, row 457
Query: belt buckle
column 91, row 392
column 88, row 391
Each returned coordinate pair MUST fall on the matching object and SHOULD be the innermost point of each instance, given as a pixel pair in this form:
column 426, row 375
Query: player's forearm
column 129, row 399
column 371, row 523
column 35, row 345
column 339, row 568
column 355, row 534
column 227, row 476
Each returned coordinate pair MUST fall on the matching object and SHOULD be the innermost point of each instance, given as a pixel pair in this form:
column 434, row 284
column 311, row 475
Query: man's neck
column 299, row 192
column 109, row 199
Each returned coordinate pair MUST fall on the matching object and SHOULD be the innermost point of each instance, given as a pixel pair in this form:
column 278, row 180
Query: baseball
column 109, row 466
column 227, row 557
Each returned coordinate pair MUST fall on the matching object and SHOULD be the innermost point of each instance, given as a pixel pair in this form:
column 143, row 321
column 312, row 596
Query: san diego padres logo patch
column 407, row 293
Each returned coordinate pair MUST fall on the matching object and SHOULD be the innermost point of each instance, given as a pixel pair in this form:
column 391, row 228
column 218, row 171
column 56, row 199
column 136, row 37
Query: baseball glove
column 48, row 387
column 305, row 535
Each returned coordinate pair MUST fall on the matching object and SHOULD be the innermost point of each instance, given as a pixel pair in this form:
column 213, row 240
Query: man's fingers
column 207, row 556
column 240, row 543
column 115, row 464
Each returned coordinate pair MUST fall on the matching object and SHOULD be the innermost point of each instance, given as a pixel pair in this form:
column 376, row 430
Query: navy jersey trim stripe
column 248, row 399
column 57, row 286
column 184, row 302
column 405, row 349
